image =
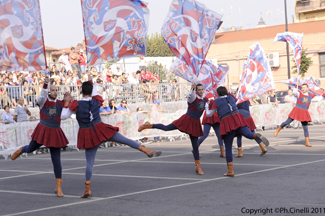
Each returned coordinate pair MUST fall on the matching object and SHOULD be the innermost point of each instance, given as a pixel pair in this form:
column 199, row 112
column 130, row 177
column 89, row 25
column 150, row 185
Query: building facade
column 232, row 48
column 309, row 10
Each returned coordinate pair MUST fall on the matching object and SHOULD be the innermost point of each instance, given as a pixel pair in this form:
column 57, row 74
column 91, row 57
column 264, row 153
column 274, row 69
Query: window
column 322, row 64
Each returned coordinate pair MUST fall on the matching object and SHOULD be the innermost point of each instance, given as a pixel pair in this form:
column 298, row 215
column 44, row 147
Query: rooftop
column 269, row 32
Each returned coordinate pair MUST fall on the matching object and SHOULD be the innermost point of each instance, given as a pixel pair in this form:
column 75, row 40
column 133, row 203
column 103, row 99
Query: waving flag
column 114, row 29
column 209, row 76
column 21, row 36
column 312, row 86
column 295, row 42
column 189, row 30
column 257, row 76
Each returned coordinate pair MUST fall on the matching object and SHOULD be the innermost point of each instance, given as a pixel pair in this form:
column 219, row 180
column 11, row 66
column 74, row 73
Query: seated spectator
column 123, row 108
column 113, row 107
column 133, row 79
column 100, row 87
column 104, row 109
column 290, row 98
column 21, row 111
column 272, row 99
column 140, row 110
column 6, row 115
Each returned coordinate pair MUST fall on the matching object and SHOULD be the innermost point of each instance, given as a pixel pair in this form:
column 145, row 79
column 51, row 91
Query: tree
column 157, row 47
column 160, row 69
column 306, row 62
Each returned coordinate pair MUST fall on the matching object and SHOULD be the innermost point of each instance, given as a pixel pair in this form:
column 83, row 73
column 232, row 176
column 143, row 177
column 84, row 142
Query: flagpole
column 286, row 21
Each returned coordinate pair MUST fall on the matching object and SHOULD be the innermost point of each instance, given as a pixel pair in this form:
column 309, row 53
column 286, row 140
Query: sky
column 63, row 26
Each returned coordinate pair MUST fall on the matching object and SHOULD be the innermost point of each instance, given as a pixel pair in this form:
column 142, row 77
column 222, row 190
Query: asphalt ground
column 125, row 182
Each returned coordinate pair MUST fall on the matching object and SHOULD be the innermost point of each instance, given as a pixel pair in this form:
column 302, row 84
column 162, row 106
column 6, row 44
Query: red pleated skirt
column 49, row 137
column 250, row 123
column 300, row 115
column 189, row 125
column 89, row 138
column 211, row 120
column 232, row 122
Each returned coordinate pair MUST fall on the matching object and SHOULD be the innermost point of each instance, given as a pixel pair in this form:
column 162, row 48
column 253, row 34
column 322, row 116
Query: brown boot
column 260, row 137
column 277, row 131
column 230, row 172
column 307, row 142
column 146, row 125
column 149, row 152
column 17, row 153
column 198, row 168
column 87, row 190
column 240, row 152
column 58, row 189
column 222, row 151
column 264, row 150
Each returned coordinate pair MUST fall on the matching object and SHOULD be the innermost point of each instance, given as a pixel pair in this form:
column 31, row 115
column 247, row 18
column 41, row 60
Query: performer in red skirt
column 92, row 131
column 300, row 111
column 213, row 122
column 48, row 132
column 231, row 123
column 243, row 109
column 188, row 123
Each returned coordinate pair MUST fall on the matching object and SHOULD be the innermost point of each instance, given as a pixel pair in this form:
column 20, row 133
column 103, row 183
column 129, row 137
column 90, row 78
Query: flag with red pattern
column 21, row 36
column 114, row 29
column 295, row 42
column 209, row 76
column 189, row 30
column 257, row 76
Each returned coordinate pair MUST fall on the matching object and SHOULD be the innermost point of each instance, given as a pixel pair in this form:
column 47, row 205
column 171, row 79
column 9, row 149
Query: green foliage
column 306, row 62
column 156, row 46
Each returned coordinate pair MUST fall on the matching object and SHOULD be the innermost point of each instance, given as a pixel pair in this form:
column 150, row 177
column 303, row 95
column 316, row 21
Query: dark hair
column 222, row 91
column 72, row 48
column 305, row 85
column 198, row 86
column 110, row 103
column 138, row 72
column 87, row 88
column 6, row 107
column 25, row 81
column 138, row 109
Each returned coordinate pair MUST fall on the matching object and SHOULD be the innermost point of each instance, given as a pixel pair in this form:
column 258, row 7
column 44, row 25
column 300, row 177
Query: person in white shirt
column 64, row 59
column 118, row 71
column 133, row 79
column 290, row 98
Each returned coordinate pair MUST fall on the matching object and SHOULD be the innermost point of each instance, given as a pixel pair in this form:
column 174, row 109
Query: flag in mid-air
column 114, row 29
column 295, row 42
column 209, row 76
column 189, row 30
column 312, row 86
column 21, row 36
column 257, row 76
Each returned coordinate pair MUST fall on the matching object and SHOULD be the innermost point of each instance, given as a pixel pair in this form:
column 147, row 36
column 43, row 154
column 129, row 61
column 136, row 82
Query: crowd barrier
column 134, row 94
column 17, row 134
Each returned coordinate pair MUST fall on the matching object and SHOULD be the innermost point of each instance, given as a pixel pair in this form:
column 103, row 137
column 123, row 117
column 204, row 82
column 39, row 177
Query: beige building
column 309, row 10
column 232, row 48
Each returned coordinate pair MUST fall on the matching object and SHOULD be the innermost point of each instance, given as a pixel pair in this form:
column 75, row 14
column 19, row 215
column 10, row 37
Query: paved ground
column 125, row 182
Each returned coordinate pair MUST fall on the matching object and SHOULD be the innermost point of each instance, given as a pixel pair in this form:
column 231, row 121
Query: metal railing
column 135, row 94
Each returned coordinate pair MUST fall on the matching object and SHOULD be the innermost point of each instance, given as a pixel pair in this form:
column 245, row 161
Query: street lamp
column 286, row 20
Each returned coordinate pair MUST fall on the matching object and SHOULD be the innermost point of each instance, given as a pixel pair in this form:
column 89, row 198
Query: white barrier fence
column 19, row 134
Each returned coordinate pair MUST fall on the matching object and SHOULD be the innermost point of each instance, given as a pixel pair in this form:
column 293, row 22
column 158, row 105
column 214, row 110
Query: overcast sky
column 63, row 27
